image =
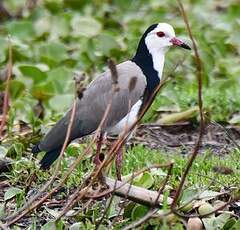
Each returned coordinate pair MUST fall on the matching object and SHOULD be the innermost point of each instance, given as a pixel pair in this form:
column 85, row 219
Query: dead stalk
column 200, row 104
column 6, row 93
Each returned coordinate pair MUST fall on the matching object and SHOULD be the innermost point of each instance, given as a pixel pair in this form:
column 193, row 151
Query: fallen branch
column 137, row 194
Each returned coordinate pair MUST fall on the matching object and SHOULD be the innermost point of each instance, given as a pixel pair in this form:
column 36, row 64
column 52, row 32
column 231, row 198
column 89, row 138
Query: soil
column 183, row 136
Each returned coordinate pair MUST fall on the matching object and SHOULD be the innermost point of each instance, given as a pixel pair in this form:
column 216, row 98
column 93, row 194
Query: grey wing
column 91, row 107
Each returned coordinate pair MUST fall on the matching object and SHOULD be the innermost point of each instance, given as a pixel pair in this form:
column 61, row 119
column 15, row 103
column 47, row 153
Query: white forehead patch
column 166, row 28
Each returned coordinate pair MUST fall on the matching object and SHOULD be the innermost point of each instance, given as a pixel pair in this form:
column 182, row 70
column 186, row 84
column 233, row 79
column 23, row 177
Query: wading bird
column 145, row 67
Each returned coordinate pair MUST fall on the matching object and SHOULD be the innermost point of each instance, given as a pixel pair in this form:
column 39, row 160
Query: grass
column 140, row 157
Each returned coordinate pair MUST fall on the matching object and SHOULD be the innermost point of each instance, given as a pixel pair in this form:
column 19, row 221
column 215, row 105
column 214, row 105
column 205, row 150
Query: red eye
column 160, row 34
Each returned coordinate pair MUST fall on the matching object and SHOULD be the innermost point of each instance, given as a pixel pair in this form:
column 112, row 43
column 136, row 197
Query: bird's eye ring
column 160, row 34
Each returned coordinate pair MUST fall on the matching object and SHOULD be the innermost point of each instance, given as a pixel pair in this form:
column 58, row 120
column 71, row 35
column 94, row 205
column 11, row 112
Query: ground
column 215, row 170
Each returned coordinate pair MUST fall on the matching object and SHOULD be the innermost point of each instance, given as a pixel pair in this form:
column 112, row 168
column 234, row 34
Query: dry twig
column 6, row 94
column 200, row 104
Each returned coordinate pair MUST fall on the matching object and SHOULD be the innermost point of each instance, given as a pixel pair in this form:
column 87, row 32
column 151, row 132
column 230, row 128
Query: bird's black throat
column 143, row 59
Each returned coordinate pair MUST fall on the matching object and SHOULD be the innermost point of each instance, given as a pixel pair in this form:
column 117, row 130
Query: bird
column 146, row 67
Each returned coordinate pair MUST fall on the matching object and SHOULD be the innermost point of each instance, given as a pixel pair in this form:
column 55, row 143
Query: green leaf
column 146, row 180
column 85, row 26
column 53, row 225
column 3, row 151
column 12, row 192
column 2, row 211
column 208, row 194
column 106, row 43
column 139, row 211
column 3, row 45
column 43, row 25
column 43, row 91
column 75, row 4
column 63, row 79
column 236, row 226
column 61, row 102
column 76, row 226
column 16, row 88
column 53, row 52
column 21, row 29
column 229, row 224
column 53, row 212
column 213, row 222
column 33, row 72
column 188, row 195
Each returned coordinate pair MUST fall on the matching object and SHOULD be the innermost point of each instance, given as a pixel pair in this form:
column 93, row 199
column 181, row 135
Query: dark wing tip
column 49, row 158
column 36, row 149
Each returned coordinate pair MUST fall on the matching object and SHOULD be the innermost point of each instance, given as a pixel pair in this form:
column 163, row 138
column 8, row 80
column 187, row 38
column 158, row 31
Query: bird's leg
column 97, row 159
column 118, row 162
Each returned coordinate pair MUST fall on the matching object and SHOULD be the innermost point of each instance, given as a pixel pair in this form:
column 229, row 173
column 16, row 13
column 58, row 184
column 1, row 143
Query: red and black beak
column 177, row 42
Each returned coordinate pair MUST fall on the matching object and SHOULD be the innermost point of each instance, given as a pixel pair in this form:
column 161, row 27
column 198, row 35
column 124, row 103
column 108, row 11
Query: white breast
column 127, row 121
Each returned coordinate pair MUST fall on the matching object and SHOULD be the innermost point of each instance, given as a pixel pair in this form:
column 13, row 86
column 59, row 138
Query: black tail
column 49, row 158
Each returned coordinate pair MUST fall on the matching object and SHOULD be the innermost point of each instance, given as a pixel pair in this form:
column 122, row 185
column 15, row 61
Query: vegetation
column 53, row 40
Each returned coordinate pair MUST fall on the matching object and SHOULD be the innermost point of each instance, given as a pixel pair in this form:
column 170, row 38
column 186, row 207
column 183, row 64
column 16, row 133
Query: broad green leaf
column 43, row 25
column 63, row 79
column 85, row 26
column 11, row 192
column 208, row 194
column 13, row 6
column 146, row 180
column 205, row 209
column 106, row 43
column 61, row 102
column 33, row 72
column 229, row 224
column 139, row 211
column 43, row 91
column 212, row 223
column 60, row 27
column 236, row 226
column 16, row 88
column 21, row 29
column 188, row 195
column 3, row 45
column 54, row 51
column 54, row 6
column 76, row 226
column 53, row 225
column 53, row 212
column 75, row 4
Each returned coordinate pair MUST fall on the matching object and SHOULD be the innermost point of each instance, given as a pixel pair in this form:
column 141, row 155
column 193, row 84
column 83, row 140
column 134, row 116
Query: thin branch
column 6, row 93
column 200, row 104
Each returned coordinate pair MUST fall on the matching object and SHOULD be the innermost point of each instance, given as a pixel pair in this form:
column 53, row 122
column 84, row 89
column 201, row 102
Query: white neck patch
column 158, row 56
